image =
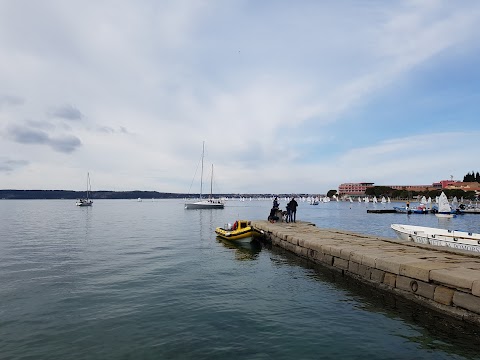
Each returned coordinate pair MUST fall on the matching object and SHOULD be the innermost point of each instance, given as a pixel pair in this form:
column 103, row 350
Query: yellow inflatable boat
column 241, row 229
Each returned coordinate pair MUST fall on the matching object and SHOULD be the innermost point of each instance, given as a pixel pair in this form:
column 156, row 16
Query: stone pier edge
column 444, row 285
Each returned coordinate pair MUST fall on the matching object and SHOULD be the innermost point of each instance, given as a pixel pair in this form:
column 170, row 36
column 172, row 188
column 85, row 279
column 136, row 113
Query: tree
column 330, row 193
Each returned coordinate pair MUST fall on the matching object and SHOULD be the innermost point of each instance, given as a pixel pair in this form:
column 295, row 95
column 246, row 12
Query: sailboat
column 444, row 209
column 86, row 201
column 209, row 203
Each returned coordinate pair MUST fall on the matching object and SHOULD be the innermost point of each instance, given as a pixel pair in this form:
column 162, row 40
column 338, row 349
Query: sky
column 288, row 96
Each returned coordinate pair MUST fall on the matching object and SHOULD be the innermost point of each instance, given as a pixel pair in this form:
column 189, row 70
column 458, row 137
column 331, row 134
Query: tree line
column 379, row 191
column 472, row 177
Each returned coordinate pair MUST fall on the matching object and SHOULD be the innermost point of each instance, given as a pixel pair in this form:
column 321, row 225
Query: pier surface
column 439, row 278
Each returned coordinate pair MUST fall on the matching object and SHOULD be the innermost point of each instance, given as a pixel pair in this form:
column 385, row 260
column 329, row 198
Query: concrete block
column 301, row 242
column 476, row 288
column 443, row 295
column 335, row 251
column 377, row 275
column 390, row 279
column 466, row 301
column 311, row 254
column 458, row 277
column 345, row 253
column 290, row 247
column 364, row 271
column 369, row 260
column 404, row 283
column 424, row 289
column 328, row 259
column 340, row 263
column 393, row 264
column 353, row 267
column 356, row 256
column 319, row 256
column 421, row 270
column 314, row 245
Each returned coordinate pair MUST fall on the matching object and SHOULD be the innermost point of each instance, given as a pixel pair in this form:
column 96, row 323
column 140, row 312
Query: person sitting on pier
column 273, row 216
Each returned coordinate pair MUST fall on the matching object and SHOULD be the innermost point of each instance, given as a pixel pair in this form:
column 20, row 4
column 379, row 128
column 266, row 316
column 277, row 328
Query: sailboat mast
column 211, row 185
column 201, row 176
column 88, row 182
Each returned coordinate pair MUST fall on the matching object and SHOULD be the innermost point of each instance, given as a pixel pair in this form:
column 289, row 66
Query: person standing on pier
column 275, row 203
column 292, row 206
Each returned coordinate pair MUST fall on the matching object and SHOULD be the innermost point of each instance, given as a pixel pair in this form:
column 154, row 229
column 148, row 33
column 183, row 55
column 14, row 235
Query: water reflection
column 247, row 249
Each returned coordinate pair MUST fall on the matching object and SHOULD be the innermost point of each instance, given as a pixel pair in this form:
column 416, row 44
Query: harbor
column 442, row 279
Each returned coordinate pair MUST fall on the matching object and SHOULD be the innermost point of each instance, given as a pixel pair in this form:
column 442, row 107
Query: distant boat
column 444, row 209
column 384, row 200
column 451, row 238
column 209, row 203
column 86, row 201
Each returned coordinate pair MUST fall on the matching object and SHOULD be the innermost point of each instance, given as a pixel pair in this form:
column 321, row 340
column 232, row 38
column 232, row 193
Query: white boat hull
column 205, row 204
column 461, row 240
column 443, row 215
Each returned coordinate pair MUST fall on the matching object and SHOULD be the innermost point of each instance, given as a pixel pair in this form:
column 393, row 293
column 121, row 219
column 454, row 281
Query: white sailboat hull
column 205, row 204
column 461, row 240
column 444, row 215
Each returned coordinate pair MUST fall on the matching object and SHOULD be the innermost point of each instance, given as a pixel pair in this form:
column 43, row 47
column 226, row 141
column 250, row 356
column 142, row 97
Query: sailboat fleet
column 211, row 202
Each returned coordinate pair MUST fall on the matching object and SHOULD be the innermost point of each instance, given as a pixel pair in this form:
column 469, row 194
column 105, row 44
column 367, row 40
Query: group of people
column 290, row 214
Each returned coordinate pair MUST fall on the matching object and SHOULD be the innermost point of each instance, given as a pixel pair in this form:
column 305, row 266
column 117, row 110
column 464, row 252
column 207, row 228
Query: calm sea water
column 149, row 280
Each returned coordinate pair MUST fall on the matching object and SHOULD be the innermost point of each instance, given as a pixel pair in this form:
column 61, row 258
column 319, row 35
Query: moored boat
column 86, row 201
column 444, row 208
column 211, row 202
column 402, row 210
column 241, row 229
column 461, row 240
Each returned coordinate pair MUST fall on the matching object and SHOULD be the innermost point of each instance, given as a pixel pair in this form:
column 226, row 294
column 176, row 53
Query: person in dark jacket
column 273, row 215
column 275, row 203
column 292, row 206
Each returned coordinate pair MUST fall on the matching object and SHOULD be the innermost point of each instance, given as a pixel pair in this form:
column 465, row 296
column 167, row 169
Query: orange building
column 465, row 186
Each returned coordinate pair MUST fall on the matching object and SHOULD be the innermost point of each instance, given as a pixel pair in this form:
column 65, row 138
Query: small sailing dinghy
column 444, row 208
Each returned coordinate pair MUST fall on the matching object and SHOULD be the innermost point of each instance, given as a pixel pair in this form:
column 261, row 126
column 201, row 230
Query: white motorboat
column 461, row 240
column 209, row 203
column 85, row 201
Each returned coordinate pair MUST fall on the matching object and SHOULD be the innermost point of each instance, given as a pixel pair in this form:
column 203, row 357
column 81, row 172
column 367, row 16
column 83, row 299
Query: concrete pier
column 439, row 278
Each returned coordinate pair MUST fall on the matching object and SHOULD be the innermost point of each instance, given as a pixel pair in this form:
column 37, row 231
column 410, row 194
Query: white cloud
column 258, row 82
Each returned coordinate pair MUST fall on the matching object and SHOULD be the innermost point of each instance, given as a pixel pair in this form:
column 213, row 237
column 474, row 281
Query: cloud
column 67, row 112
column 25, row 135
column 11, row 165
column 111, row 130
column 11, row 100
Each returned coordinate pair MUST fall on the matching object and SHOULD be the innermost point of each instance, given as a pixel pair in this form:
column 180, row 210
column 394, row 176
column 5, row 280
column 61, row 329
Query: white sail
column 443, row 205
column 454, row 203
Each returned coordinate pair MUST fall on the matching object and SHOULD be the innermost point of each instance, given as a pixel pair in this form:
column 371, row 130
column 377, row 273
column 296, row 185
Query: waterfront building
column 353, row 189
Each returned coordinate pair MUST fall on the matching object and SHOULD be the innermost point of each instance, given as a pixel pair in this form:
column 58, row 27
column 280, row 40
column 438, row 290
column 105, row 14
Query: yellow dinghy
column 241, row 229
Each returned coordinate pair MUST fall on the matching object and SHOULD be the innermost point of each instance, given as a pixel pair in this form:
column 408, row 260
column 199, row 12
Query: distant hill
column 70, row 194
